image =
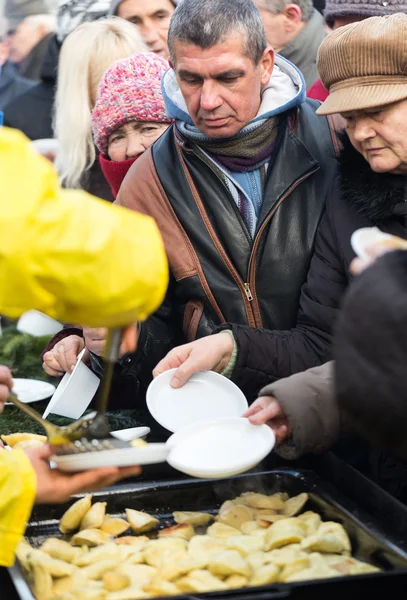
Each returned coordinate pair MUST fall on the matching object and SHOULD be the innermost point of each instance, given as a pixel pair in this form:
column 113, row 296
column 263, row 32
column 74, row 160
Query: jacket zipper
column 250, row 286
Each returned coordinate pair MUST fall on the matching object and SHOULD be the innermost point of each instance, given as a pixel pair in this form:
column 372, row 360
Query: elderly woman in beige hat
column 365, row 67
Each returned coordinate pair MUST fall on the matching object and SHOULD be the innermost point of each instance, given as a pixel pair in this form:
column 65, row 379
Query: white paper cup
column 74, row 393
column 45, row 145
column 36, row 323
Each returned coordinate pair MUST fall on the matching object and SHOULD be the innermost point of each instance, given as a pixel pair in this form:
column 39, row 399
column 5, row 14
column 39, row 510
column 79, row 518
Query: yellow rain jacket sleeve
column 72, row 256
column 76, row 258
column 17, row 494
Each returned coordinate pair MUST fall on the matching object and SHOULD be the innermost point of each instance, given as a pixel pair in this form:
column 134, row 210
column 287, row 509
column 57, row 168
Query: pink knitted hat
column 129, row 89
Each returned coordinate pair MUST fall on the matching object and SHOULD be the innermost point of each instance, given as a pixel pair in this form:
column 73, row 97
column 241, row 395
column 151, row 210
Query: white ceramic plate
column 365, row 237
column 32, row 390
column 123, row 457
column 220, row 448
column 206, row 395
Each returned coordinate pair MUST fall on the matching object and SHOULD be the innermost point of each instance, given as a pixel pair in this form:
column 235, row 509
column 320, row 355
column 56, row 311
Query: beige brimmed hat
column 364, row 64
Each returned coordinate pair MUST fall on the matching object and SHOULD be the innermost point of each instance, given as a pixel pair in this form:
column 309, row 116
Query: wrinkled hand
column 53, row 486
column 6, row 383
column 210, row 353
column 62, row 358
column 266, row 410
column 95, row 339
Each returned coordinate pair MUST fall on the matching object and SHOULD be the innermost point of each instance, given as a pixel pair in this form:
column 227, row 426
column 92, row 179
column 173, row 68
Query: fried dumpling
column 265, row 574
column 70, row 583
column 262, row 501
column 131, row 593
column 256, row 560
column 138, row 574
column 42, row 581
column 131, row 540
column 205, row 546
column 294, row 505
column 235, row 514
column 192, row 518
column 229, row 562
column 90, row 537
column 221, row 531
column 285, row 556
column 93, row 519
column 71, row 519
column 245, row 544
column 300, row 564
column 184, row 531
column 200, row 581
column 114, row 525
column 156, row 550
column 23, row 552
column 312, row 521
column 113, row 581
column 56, row 568
column 331, row 537
column 236, row 581
column 141, row 522
column 268, row 519
column 12, row 439
column 249, row 526
column 312, row 573
column 103, row 552
column 61, row 550
column 287, row 531
column 97, row 569
column 161, row 588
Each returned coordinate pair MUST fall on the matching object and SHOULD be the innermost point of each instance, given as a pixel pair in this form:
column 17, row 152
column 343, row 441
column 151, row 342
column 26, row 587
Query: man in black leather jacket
column 237, row 187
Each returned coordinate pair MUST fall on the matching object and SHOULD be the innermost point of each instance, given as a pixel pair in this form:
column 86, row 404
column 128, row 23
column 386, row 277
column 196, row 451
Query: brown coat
column 309, row 401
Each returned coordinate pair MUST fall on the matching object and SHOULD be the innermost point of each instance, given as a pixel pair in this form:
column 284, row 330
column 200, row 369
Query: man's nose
column 149, row 33
column 210, row 98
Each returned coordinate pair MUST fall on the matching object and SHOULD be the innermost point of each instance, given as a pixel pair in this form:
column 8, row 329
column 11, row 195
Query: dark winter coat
column 32, row 111
column 12, row 84
column 218, row 273
column 358, row 198
column 31, row 66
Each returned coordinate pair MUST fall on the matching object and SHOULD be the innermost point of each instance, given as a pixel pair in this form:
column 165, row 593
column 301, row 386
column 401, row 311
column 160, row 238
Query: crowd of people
column 207, row 117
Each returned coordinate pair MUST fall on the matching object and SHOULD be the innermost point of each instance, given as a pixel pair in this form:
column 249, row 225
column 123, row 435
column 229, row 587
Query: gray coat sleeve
column 309, row 401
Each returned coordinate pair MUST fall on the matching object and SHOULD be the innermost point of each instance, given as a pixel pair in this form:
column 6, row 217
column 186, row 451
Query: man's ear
column 267, row 65
column 293, row 14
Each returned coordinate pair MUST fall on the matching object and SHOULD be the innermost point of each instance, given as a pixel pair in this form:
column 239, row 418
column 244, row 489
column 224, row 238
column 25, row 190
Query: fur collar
column 373, row 195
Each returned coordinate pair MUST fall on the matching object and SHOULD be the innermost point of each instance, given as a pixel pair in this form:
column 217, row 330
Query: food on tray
column 192, row 518
column 114, row 526
column 184, row 531
column 141, row 521
column 72, row 519
column 93, row 519
column 275, row 544
column 23, row 440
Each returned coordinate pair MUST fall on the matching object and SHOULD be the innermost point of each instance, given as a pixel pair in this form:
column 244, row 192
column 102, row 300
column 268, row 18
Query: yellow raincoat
column 74, row 257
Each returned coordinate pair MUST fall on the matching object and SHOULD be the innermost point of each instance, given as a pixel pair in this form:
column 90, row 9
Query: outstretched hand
column 266, row 410
column 210, row 353
column 54, row 486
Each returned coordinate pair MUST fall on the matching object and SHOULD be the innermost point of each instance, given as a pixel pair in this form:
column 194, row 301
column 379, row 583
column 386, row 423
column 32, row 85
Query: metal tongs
column 74, row 437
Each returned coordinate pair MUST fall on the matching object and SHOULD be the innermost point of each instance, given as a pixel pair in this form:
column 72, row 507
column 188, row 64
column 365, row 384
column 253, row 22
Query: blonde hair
column 85, row 55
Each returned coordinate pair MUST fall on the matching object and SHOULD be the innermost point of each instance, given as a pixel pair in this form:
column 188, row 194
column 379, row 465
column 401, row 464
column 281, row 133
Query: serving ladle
column 73, row 437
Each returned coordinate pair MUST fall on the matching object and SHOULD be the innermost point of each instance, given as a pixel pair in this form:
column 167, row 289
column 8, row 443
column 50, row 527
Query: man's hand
column 210, row 353
column 358, row 265
column 62, row 358
column 53, row 486
column 266, row 410
column 6, row 383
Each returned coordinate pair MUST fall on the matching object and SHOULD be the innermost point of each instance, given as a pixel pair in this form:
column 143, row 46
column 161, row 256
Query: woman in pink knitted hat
column 129, row 114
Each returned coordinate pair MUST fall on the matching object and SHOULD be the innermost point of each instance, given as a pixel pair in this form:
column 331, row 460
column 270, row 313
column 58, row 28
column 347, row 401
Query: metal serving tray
column 370, row 542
